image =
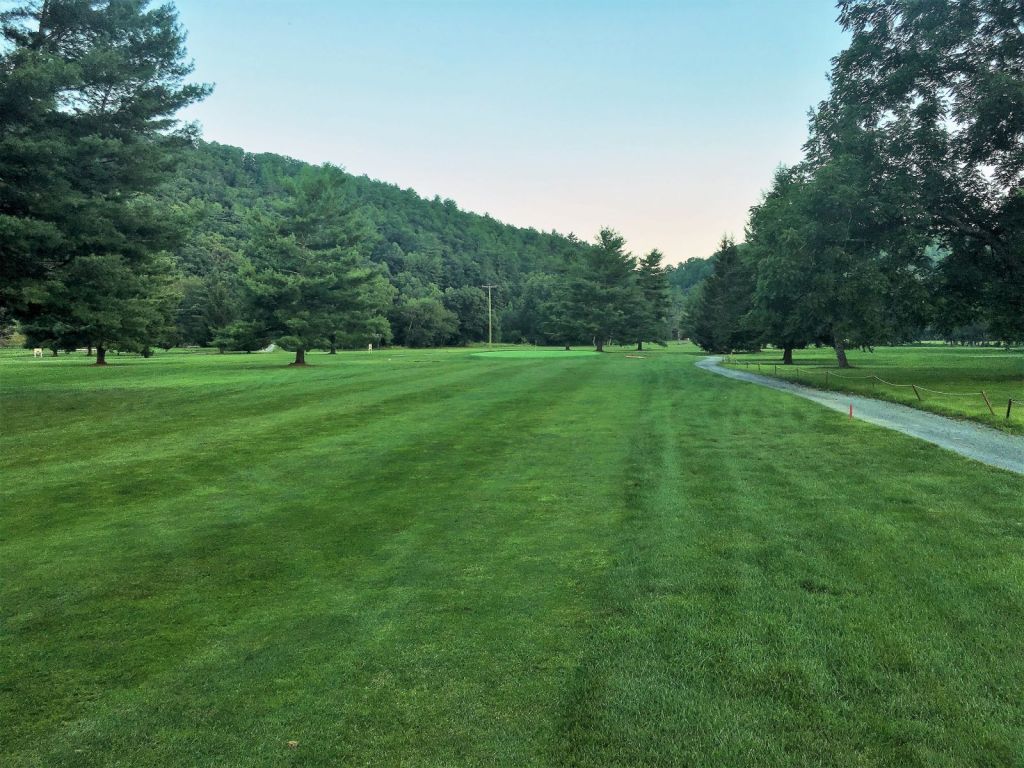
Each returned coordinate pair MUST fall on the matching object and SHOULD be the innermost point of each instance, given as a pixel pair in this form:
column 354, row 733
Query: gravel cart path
column 971, row 440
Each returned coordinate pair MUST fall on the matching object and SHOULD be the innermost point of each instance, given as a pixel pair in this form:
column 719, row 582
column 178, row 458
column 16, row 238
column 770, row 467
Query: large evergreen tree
column 600, row 294
column 718, row 316
column 88, row 94
column 309, row 279
column 652, row 310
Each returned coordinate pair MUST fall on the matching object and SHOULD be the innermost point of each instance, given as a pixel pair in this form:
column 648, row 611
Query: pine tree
column 600, row 294
column 309, row 279
column 88, row 94
column 719, row 314
column 654, row 305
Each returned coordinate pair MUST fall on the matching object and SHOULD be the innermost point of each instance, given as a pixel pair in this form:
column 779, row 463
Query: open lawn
column 949, row 380
column 440, row 558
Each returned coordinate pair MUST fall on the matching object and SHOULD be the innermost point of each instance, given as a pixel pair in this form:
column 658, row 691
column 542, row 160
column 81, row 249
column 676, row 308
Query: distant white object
column 369, row 347
column 269, row 348
column 37, row 352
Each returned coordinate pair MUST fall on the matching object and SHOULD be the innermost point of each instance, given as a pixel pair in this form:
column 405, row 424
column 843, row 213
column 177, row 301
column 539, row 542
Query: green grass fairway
column 545, row 353
column 442, row 559
column 963, row 371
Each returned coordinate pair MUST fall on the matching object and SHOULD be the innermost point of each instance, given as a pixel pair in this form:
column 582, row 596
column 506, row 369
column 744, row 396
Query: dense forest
column 433, row 258
column 906, row 216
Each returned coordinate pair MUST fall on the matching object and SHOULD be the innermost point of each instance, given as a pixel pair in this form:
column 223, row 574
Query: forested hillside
column 435, row 256
column 436, row 259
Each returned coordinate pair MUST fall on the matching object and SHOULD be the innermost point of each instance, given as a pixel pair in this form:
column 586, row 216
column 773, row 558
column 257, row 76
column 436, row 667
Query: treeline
column 122, row 230
column 908, row 210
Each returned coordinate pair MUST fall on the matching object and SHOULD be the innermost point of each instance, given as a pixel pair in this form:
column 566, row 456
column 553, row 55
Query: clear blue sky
column 661, row 119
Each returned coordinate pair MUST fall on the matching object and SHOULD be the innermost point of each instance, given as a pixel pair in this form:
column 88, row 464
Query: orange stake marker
column 851, row 411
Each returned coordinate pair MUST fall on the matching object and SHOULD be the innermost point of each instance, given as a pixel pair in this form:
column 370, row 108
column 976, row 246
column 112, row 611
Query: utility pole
column 490, row 322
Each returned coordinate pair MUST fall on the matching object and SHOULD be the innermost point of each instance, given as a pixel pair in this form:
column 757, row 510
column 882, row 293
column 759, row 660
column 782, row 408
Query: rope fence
column 917, row 388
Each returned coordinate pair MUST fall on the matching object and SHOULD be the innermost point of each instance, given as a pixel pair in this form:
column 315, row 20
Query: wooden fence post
column 1009, row 405
column 916, row 392
column 988, row 403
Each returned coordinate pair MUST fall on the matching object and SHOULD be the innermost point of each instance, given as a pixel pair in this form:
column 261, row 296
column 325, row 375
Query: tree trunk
column 840, row 348
column 599, row 345
column 787, row 355
column 300, row 356
column 334, row 349
column 639, row 346
column 101, row 355
column 88, row 350
column 55, row 351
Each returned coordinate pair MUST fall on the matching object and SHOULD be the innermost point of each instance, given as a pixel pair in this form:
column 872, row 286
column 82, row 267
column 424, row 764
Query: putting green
column 548, row 353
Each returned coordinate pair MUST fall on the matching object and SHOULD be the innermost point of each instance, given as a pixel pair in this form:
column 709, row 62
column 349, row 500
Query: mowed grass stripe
column 228, row 451
column 107, row 418
column 414, row 461
column 619, row 563
column 325, row 468
column 497, row 632
column 788, row 623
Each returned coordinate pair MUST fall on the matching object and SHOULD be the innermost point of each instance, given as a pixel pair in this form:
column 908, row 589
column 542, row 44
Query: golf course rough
column 485, row 561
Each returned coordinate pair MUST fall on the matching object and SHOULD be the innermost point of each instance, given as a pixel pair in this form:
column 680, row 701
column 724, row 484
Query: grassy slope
column 453, row 560
column 999, row 372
